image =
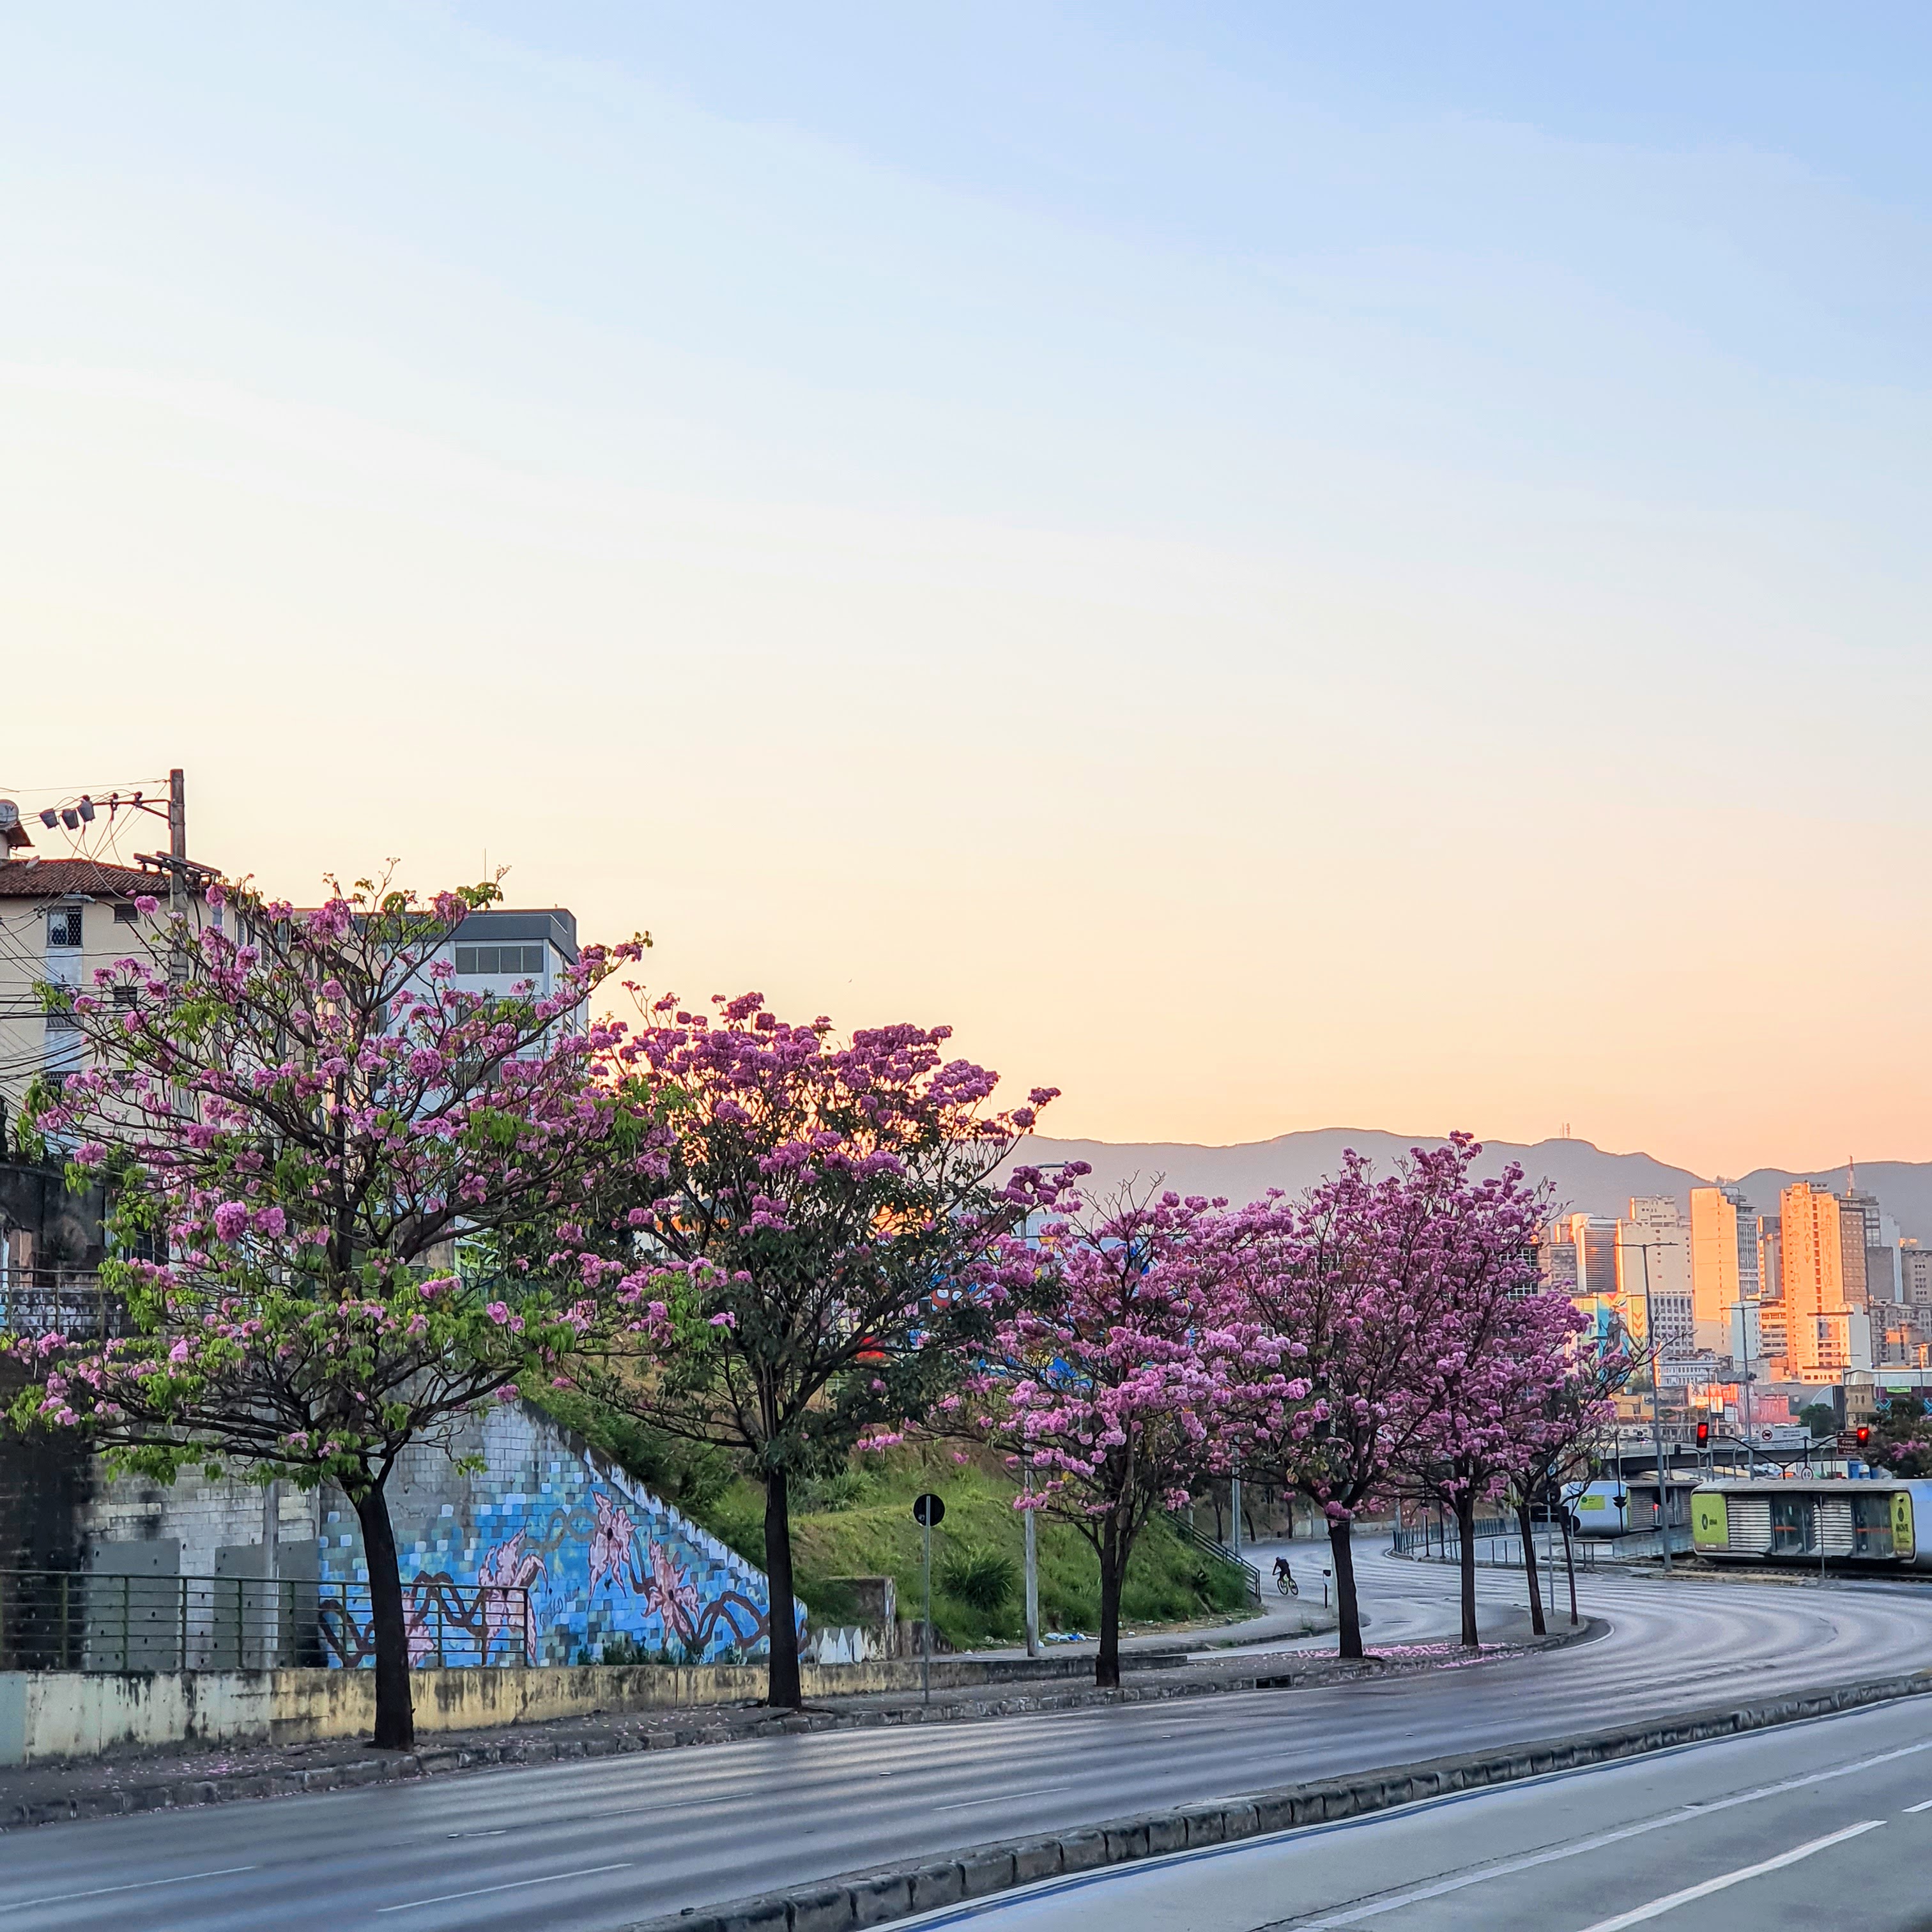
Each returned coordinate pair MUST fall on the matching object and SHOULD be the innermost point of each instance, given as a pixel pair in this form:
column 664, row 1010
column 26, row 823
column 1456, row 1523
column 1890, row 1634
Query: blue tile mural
column 547, row 1554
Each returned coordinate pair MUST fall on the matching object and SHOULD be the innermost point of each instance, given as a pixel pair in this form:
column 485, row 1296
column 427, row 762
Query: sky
column 1275, row 566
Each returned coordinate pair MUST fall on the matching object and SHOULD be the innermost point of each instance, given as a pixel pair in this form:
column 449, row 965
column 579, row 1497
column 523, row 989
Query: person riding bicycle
column 1284, row 1576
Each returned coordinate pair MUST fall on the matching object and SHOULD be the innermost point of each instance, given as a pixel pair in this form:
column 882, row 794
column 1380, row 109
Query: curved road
column 588, row 1846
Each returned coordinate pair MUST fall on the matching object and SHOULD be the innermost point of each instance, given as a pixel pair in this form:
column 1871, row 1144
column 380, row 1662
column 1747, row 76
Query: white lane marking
column 1658, row 1907
column 515, row 1885
column 972, row 1804
column 144, row 1884
column 1461, row 1881
column 1924, row 1804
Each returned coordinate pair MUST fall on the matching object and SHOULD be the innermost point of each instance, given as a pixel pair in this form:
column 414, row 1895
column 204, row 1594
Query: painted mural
column 547, row 1554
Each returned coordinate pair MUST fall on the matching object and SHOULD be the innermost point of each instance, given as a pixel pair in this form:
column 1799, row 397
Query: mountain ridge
column 1586, row 1177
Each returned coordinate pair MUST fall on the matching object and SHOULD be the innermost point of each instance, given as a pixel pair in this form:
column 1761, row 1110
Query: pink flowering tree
column 299, row 1114
column 1496, row 1350
column 824, row 1248
column 1127, row 1387
column 1348, row 1279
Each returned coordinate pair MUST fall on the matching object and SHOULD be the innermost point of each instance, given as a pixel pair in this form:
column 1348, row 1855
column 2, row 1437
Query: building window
column 519, row 960
column 61, row 1022
column 124, row 996
column 126, row 915
column 63, row 926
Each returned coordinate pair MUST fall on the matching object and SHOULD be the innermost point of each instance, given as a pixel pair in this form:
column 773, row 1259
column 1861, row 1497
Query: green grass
column 868, row 1531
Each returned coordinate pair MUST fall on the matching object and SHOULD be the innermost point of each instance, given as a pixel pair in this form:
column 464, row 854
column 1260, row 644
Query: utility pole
column 177, row 869
column 1656, row 1400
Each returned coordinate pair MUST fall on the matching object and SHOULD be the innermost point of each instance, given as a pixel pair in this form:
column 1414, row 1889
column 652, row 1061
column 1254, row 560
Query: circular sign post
column 927, row 1511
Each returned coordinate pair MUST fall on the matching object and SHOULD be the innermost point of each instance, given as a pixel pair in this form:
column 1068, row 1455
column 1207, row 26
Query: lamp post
column 1032, row 1567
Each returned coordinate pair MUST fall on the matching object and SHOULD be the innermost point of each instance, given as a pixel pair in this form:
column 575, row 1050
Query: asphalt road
column 1819, row 1826
column 585, row 1846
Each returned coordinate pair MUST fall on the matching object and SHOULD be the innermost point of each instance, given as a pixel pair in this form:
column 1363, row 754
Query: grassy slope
column 867, row 1530
column 860, row 1525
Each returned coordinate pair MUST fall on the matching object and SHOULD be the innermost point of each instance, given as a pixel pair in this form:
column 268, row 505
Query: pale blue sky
column 1278, row 565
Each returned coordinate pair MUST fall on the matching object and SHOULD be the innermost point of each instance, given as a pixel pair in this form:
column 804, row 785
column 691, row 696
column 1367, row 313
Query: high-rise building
column 1823, row 1338
column 1723, row 1260
column 1595, row 1237
column 1770, row 1259
column 1881, row 1273
column 1915, row 1265
column 1653, row 1251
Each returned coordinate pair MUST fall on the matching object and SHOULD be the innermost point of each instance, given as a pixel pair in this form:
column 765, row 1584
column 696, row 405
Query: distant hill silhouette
column 1585, row 1177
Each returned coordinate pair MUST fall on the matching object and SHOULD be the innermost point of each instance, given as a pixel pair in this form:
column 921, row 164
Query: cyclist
column 1284, row 1578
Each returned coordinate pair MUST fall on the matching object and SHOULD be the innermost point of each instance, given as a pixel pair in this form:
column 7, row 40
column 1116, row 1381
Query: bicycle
column 1284, row 1581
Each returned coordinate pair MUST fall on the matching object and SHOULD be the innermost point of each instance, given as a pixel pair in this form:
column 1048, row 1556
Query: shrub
column 982, row 1579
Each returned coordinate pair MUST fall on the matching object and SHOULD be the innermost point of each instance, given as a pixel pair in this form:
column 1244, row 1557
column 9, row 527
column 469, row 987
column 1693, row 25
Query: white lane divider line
column 974, row 1804
column 1461, row 1881
column 1658, row 1907
column 142, row 1885
column 1924, row 1804
column 515, row 1885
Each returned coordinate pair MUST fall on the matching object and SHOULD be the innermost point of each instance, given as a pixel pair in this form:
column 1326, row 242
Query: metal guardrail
column 88, row 1620
column 451, row 1625
column 63, row 1301
column 1197, row 1539
column 1427, row 1535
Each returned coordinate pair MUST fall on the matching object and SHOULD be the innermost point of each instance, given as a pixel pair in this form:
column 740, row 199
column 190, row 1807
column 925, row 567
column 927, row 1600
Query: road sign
column 928, row 1511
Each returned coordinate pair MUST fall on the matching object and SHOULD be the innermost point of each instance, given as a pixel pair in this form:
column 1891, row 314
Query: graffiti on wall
column 548, row 1556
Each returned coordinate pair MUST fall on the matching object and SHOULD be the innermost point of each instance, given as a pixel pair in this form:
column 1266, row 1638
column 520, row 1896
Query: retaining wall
column 55, row 1714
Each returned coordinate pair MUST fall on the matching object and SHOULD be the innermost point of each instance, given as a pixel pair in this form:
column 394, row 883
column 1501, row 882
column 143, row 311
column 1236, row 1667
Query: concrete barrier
column 867, row 1898
column 58, row 1714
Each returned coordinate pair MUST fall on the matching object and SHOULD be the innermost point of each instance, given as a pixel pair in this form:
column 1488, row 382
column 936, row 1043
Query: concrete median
column 873, row 1898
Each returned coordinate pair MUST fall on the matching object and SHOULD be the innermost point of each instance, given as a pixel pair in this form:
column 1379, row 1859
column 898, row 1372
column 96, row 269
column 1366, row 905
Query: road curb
column 875, row 1897
column 431, row 1759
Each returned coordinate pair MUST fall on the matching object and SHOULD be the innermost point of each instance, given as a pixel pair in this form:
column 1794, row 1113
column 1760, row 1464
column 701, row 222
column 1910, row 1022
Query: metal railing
column 1198, row 1539
column 87, row 1620
column 450, row 1625
column 65, row 1301
column 1429, row 1535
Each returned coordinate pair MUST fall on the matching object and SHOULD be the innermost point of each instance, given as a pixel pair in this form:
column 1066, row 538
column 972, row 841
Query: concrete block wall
column 204, row 1517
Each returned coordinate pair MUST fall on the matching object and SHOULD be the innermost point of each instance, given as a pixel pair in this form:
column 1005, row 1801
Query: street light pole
column 1032, row 1567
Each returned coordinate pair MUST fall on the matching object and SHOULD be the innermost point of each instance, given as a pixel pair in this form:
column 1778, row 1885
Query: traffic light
column 1865, row 1437
column 1703, row 1436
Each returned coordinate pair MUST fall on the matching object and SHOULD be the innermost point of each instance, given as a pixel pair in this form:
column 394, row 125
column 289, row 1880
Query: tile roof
column 77, row 878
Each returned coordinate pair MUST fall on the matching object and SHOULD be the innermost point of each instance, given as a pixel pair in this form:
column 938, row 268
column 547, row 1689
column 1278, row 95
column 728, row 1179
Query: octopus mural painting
column 545, row 1554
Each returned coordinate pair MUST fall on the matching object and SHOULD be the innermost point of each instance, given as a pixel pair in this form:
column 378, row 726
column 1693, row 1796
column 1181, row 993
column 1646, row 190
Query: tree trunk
column 1526, row 1530
column 395, row 1715
column 1113, row 1563
column 782, row 1692
column 1466, row 1531
column 1348, row 1611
